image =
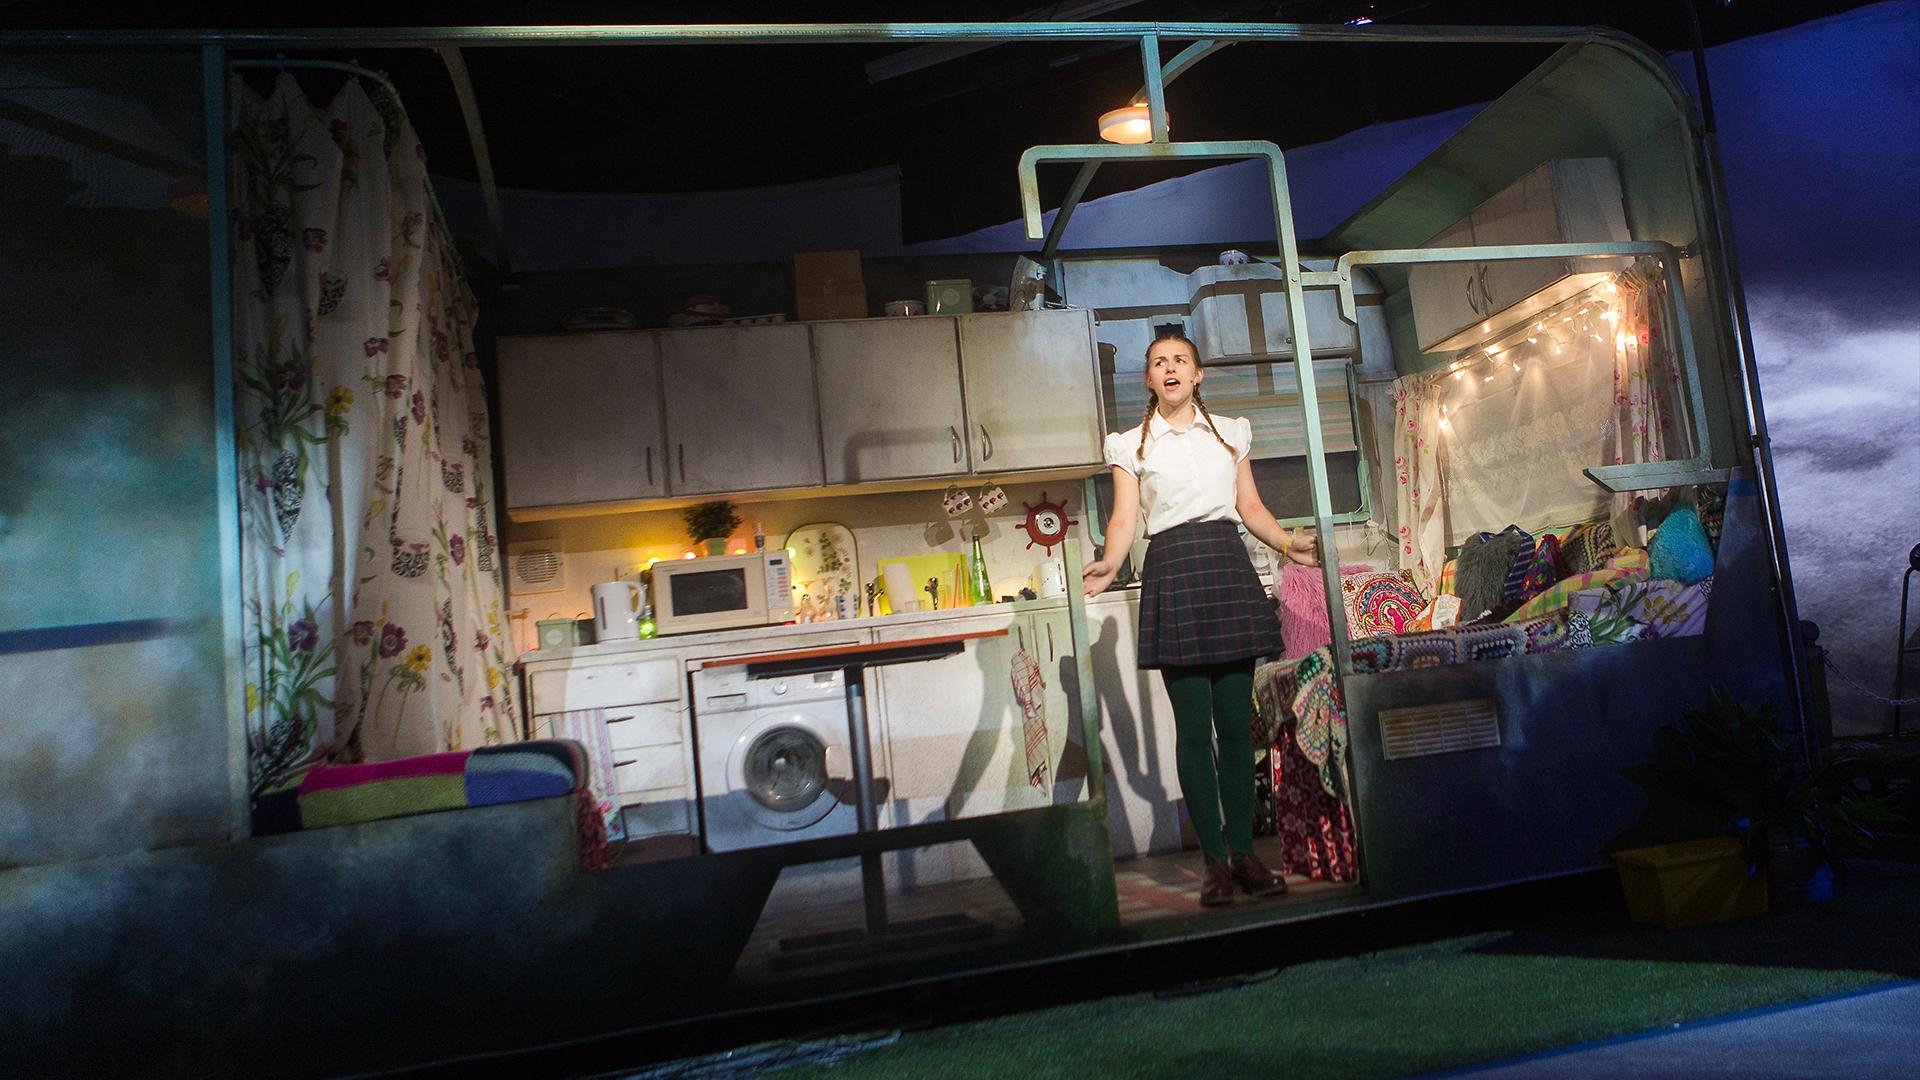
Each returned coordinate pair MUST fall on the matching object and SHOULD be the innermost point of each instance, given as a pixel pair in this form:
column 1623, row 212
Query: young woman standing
column 1203, row 616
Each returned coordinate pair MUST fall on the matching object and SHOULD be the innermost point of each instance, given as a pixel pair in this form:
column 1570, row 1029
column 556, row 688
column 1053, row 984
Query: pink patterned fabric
column 1381, row 602
column 1315, row 830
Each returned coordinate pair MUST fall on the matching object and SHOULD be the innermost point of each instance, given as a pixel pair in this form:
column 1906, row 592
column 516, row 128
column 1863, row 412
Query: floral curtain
column 1416, row 472
column 374, row 623
column 1649, row 418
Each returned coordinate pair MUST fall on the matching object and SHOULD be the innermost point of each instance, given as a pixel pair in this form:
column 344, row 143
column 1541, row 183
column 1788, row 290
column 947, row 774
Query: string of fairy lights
column 1590, row 317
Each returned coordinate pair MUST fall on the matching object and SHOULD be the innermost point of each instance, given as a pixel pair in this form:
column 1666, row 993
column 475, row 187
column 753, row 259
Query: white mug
column 1051, row 578
column 616, row 611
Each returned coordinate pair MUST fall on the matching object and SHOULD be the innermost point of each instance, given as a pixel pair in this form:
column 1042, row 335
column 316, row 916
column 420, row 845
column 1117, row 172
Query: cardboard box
column 828, row 285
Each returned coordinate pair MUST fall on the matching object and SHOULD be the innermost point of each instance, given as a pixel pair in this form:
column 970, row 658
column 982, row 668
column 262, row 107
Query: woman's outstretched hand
column 1098, row 575
column 1304, row 548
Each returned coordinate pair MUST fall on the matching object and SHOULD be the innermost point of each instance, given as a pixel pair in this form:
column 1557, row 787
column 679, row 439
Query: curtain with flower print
column 1422, row 536
column 1649, row 419
column 374, row 623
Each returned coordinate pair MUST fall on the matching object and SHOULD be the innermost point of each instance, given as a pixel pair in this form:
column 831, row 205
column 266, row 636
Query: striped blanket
column 517, row 772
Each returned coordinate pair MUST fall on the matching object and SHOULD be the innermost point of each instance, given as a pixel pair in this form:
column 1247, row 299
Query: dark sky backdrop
column 718, row 117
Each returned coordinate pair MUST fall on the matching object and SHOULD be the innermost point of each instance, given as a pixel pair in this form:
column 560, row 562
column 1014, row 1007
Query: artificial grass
column 1387, row 1014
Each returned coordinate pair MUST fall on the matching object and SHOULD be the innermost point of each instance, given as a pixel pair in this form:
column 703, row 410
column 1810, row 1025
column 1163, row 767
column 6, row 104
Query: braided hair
column 1153, row 399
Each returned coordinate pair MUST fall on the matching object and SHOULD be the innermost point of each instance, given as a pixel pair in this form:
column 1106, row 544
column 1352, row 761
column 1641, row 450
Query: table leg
column 873, row 882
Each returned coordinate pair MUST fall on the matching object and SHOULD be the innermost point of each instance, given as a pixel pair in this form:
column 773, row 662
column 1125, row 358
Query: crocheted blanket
column 1302, row 695
column 1461, row 644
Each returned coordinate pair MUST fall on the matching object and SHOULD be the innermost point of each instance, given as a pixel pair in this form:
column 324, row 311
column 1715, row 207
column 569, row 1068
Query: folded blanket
column 331, row 795
column 1628, row 565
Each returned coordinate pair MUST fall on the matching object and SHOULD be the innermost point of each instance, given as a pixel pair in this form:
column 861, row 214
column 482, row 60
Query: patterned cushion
column 1589, row 548
column 1546, row 568
column 1380, row 602
column 1710, row 502
column 1629, row 565
column 1444, row 584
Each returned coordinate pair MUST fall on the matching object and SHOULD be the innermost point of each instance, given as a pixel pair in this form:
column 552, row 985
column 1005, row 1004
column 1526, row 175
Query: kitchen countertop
column 748, row 633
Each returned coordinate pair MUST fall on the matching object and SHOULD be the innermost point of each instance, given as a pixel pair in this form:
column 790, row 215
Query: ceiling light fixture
column 1127, row 124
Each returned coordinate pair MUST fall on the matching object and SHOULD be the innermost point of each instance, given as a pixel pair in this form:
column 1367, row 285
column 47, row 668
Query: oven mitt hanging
column 1030, row 690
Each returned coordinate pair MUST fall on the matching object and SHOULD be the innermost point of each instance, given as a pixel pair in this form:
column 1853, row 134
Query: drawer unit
column 638, row 726
column 649, row 769
column 605, row 685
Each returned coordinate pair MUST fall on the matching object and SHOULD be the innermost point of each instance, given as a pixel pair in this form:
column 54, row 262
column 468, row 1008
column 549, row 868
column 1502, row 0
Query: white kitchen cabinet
column 1569, row 200
column 650, row 749
column 1145, row 808
column 580, row 419
column 957, row 731
column 1032, row 390
column 890, row 401
column 1446, row 296
column 741, row 413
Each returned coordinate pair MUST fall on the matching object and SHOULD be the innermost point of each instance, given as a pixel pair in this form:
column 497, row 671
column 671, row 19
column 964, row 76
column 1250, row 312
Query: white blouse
column 1187, row 475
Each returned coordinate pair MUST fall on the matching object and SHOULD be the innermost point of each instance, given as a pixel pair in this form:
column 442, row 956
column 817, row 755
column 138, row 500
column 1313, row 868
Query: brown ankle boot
column 1216, row 885
column 1252, row 875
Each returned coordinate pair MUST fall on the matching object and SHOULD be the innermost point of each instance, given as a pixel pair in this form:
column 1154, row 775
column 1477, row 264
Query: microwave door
column 709, row 592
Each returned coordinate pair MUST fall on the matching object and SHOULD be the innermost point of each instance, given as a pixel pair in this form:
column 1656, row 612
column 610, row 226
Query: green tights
column 1209, row 702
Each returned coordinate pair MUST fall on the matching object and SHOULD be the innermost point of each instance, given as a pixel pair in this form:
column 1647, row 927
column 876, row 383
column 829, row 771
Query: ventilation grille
column 1439, row 729
column 535, row 567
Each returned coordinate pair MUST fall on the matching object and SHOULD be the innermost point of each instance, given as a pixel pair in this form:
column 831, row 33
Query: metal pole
column 873, row 881
column 1900, row 647
column 482, row 160
column 1760, row 441
column 226, row 466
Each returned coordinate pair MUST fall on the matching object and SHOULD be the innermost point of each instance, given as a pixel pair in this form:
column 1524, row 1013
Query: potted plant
column 1727, row 781
column 710, row 523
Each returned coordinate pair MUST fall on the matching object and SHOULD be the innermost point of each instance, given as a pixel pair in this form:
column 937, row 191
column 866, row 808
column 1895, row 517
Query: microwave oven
column 720, row 592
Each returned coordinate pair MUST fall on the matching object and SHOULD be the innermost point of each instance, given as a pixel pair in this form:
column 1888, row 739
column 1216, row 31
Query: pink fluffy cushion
column 1303, row 607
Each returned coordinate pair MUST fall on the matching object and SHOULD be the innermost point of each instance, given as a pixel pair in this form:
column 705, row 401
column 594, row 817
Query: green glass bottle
column 980, row 584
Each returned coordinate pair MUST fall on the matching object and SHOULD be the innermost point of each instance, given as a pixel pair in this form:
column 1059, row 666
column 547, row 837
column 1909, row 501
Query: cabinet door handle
column 1472, row 302
column 649, row 466
column 986, row 444
column 1486, row 294
column 955, row 432
column 682, row 447
column 1049, row 641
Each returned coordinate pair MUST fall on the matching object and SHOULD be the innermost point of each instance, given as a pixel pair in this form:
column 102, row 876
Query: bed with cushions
column 1507, row 594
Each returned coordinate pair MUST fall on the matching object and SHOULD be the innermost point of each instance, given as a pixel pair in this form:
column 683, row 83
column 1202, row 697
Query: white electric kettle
column 616, row 611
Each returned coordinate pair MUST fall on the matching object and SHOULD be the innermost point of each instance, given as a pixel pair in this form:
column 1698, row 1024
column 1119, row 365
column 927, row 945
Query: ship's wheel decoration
column 1046, row 523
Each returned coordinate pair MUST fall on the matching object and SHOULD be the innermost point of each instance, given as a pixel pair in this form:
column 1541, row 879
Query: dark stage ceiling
column 675, row 119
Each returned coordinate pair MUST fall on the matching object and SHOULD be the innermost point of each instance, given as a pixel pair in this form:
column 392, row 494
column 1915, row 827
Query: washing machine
column 774, row 762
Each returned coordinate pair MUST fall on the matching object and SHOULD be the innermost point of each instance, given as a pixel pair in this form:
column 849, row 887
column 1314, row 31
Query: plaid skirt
column 1201, row 602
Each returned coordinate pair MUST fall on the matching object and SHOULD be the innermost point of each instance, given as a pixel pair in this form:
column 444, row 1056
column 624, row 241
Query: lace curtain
column 1507, row 441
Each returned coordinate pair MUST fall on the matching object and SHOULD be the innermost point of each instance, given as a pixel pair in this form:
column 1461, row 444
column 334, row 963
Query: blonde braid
column 1146, row 424
column 1211, row 426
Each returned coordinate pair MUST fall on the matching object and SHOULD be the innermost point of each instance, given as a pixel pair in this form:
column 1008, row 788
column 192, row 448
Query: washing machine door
column 779, row 771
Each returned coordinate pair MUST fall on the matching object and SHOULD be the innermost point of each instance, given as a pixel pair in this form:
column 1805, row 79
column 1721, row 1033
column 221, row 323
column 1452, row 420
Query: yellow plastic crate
column 1690, row 884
